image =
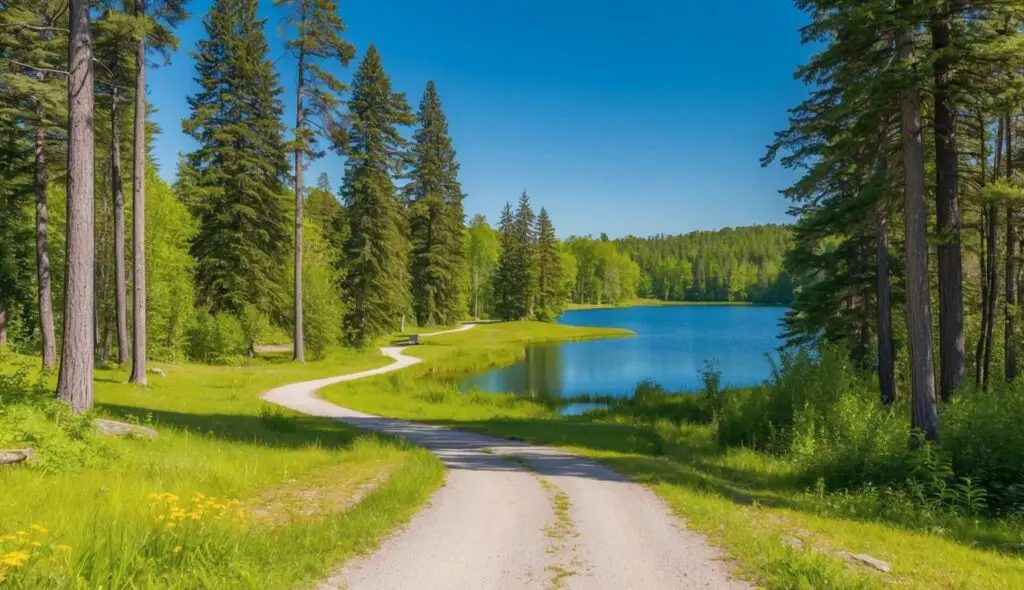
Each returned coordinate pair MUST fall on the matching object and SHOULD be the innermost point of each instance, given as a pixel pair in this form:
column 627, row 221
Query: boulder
column 115, row 428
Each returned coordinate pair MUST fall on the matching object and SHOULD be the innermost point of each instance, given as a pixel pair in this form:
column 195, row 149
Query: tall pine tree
column 549, row 269
column 240, row 163
column 503, row 279
column 376, row 251
column 318, row 30
column 435, row 217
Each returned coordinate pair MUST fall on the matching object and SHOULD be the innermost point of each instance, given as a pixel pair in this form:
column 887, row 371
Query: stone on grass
column 12, row 456
column 865, row 559
column 115, row 428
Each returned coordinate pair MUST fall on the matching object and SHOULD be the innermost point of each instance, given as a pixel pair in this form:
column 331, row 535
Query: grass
column 751, row 504
column 649, row 302
column 278, row 490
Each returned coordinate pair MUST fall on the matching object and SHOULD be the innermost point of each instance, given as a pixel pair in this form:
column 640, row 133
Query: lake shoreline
column 659, row 303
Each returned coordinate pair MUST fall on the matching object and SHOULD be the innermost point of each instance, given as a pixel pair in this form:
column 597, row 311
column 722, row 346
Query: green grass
column 749, row 503
column 218, row 439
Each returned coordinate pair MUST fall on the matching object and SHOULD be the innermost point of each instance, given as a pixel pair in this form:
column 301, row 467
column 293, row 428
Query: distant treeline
column 732, row 264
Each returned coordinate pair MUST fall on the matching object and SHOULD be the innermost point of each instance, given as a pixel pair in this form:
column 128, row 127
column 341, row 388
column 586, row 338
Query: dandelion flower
column 36, row 544
column 177, row 550
column 37, row 528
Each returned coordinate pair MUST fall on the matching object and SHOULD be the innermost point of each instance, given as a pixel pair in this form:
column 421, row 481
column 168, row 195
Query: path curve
column 513, row 515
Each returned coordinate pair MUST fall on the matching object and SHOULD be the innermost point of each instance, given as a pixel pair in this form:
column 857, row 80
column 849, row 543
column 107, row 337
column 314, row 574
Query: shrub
column 216, row 338
column 255, row 327
column 30, row 416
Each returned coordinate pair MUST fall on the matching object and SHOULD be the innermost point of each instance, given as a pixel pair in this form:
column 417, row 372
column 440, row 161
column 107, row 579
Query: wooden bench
column 414, row 339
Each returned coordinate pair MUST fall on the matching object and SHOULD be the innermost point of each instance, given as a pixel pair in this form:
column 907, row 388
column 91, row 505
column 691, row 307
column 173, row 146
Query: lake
column 670, row 347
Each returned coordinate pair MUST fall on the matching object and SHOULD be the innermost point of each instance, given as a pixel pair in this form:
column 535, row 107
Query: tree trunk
column 1009, row 353
column 138, row 374
column 952, row 355
column 991, row 255
column 74, row 384
column 979, row 350
column 120, row 285
column 919, row 320
column 44, row 296
column 883, row 289
column 299, row 354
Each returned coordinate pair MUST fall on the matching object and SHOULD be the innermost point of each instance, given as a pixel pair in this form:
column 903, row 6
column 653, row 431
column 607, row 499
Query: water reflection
column 670, row 348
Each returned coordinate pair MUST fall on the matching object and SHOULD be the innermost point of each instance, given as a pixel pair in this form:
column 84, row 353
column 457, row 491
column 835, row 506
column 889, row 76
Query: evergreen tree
column 34, row 53
column 435, row 217
column 525, row 260
column 504, row 276
column 318, row 30
column 239, row 165
column 483, row 248
column 549, row 269
column 376, row 252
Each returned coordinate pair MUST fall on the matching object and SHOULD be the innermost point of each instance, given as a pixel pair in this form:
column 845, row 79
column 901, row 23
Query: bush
column 216, row 338
column 30, row 416
column 255, row 327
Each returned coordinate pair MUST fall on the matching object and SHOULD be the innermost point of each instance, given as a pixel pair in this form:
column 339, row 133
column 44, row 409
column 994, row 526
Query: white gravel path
column 492, row 524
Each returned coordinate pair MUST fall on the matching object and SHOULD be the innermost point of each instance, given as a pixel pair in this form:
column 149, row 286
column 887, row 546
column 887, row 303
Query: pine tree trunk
column 120, row 284
column 1009, row 352
column 919, row 320
column 952, row 354
column 74, row 384
column 138, row 374
column 991, row 255
column 44, row 295
column 979, row 350
column 299, row 338
column 883, row 291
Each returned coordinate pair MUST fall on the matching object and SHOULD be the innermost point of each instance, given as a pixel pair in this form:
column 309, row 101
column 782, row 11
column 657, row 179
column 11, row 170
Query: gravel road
column 514, row 515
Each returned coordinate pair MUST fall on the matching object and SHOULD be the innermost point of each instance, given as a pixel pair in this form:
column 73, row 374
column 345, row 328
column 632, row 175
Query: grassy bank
column 231, row 494
column 780, row 530
column 650, row 303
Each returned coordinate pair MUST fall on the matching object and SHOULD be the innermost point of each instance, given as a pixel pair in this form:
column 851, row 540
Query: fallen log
column 12, row 456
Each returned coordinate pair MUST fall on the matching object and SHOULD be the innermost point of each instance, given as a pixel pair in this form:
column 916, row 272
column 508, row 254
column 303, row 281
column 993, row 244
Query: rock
column 12, row 456
column 115, row 428
column 794, row 542
column 865, row 559
column 157, row 371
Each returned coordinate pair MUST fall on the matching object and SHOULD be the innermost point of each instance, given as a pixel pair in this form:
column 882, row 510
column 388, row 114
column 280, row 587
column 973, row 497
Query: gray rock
column 865, row 559
column 115, row 428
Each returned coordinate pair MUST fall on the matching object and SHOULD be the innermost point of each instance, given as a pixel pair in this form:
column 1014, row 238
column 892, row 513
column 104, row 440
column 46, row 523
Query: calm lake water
column 670, row 348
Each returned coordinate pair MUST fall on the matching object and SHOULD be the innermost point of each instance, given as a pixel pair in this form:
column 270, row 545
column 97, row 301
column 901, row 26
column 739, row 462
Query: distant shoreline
column 660, row 303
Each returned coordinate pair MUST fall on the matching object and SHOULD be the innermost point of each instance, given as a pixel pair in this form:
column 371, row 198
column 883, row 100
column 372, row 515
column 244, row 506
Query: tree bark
column 138, row 374
column 299, row 354
column 952, row 354
column 919, row 320
column 120, row 283
column 991, row 254
column 1009, row 353
column 44, row 290
column 74, row 384
column 883, row 289
column 979, row 350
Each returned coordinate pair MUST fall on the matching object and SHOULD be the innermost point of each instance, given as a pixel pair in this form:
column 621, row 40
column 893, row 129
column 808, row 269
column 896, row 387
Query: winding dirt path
column 514, row 515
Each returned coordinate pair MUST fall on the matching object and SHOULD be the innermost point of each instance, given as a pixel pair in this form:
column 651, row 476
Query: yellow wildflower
column 170, row 525
column 20, row 533
column 15, row 558
column 37, row 528
column 36, row 544
column 63, row 548
column 177, row 550
column 161, row 517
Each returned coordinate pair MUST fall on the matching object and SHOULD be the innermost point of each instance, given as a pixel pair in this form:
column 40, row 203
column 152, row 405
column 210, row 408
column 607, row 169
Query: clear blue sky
column 627, row 117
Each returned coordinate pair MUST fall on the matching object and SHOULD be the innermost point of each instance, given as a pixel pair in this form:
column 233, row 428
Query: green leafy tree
column 376, row 259
column 238, row 193
column 483, row 247
column 435, row 217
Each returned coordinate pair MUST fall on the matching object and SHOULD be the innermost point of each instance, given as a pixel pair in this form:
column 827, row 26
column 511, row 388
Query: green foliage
column 483, row 247
column 216, row 338
column 741, row 264
column 170, row 268
column 376, row 261
column 436, row 218
column 323, row 307
column 550, row 293
column 604, row 273
column 515, row 282
column 30, row 416
column 236, row 188
column 255, row 327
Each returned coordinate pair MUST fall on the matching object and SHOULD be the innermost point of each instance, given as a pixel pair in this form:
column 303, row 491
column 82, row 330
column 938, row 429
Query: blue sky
column 625, row 117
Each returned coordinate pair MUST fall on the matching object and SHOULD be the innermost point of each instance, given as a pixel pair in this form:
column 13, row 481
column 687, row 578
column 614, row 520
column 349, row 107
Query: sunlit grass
column 219, row 440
